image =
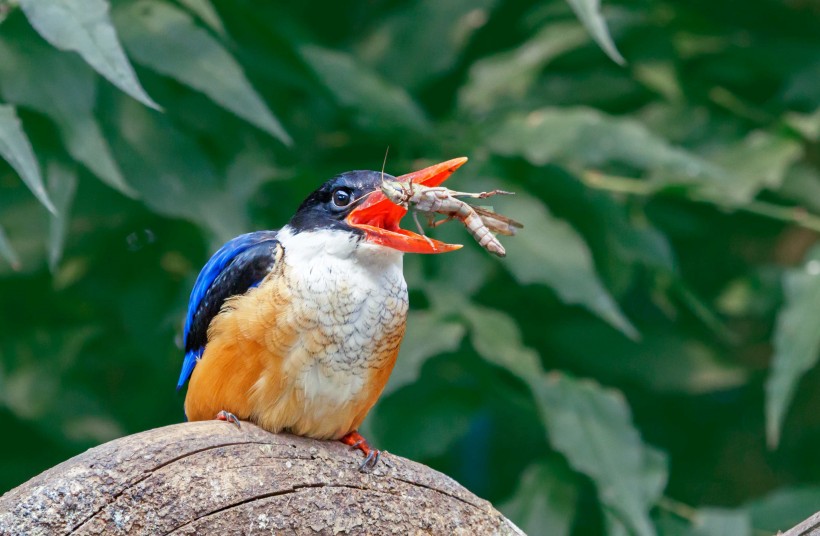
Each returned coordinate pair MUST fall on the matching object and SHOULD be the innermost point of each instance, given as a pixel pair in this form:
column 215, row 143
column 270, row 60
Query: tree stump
column 213, row 478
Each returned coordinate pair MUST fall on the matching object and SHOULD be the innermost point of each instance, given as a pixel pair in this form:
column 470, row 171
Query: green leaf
column 614, row 525
column 722, row 521
column 802, row 184
column 7, row 251
column 428, row 334
column 508, row 76
column 63, row 88
column 759, row 161
column 16, row 150
column 249, row 170
column 85, row 27
column 706, row 521
column 375, row 104
column 589, row 12
column 545, row 500
column 634, row 239
column 37, row 388
column 582, row 137
column 62, row 185
column 665, row 360
column 174, row 176
column 660, row 76
column 592, row 427
column 397, row 51
column 27, row 228
column 803, row 87
column 206, row 13
column 468, row 269
column 166, row 39
column 496, row 337
column 550, row 252
column 796, row 341
column 448, row 413
column 808, row 125
column 783, row 508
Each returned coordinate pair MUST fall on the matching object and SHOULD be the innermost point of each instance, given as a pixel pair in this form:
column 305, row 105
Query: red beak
column 379, row 217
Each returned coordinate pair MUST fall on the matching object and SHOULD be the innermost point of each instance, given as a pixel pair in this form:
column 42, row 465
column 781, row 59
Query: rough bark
column 212, row 478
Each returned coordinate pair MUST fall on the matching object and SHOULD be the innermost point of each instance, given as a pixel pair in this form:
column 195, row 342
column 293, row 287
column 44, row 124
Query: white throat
column 333, row 245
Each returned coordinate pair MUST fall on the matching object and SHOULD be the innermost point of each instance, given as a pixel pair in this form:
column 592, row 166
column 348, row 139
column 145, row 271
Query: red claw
column 227, row 416
column 356, row 441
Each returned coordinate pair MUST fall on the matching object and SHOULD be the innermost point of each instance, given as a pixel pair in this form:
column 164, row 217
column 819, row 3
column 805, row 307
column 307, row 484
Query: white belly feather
column 348, row 308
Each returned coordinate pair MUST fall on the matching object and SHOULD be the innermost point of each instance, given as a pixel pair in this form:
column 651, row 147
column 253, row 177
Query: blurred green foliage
column 640, row 363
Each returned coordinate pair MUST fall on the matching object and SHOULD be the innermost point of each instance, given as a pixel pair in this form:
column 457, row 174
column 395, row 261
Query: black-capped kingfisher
column 298, row 329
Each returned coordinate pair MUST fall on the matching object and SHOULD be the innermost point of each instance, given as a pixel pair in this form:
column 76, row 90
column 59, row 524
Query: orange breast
column 289, row 355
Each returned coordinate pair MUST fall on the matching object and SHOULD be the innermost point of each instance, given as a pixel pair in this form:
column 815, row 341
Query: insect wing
column 497, row 222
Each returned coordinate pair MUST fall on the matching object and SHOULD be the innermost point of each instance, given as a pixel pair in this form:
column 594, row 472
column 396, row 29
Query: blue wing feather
column 240, row 264
column 188, row 364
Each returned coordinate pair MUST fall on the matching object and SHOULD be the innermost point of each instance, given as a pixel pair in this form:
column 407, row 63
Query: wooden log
column 213, row 478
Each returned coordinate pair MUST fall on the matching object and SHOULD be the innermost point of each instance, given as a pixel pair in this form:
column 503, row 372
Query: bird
column 298, row 329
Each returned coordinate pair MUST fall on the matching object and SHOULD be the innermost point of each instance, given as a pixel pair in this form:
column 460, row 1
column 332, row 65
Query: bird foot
column 227, row 416
column 356, row 441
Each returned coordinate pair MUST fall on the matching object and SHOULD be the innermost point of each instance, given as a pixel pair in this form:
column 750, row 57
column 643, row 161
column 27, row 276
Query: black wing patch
column 238, row 266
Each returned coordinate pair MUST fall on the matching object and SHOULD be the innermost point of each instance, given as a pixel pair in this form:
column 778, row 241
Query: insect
column 480, row 222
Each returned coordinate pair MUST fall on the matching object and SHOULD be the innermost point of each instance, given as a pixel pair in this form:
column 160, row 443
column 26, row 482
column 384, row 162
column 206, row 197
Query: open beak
column 379, row 217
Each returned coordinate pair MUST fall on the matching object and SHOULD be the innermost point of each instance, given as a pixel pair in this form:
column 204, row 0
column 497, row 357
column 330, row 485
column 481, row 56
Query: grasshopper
column 480, row 222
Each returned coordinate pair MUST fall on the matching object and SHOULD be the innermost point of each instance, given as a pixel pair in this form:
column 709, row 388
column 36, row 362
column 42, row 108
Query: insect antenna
column 365, row 196
column 384, row 163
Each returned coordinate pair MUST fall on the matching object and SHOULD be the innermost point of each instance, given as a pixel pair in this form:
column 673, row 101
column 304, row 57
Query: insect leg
column 480, row 195
column 435, row 224
column 421, row 230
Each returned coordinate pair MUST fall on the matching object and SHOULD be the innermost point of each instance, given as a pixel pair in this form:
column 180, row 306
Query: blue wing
column 239, row 265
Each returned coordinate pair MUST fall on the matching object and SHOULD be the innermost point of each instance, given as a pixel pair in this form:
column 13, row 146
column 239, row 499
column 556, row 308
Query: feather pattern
column 239, row 265
column 309, row 349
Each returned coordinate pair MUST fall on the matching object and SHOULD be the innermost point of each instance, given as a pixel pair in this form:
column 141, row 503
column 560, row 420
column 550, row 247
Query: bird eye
column 341, row 197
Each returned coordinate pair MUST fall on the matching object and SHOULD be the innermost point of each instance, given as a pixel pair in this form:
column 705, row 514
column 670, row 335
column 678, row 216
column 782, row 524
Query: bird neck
column 304, row 248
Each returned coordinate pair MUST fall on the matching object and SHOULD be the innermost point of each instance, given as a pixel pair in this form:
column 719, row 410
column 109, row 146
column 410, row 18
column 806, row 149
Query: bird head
column 354, row 202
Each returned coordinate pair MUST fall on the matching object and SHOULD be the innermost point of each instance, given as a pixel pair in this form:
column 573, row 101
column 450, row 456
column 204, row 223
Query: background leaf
column 428, row 334
column 496, row 337
column 594, row 430
column 62, row 87
column 760, row 161
column 84, row 26
column 166, row 39
column 7, row 251
column 545, row 500
column 783, row 509
column 62, row 186
column 206, row 12
column 570, row 273
column 189, row 187
column 716, row 521
column 376, row 104
column 589, row 12
column 410, row 62
column 587, row 138
column 663, row 360
column 796, row 342
column 509, row 75
column 16, row 150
